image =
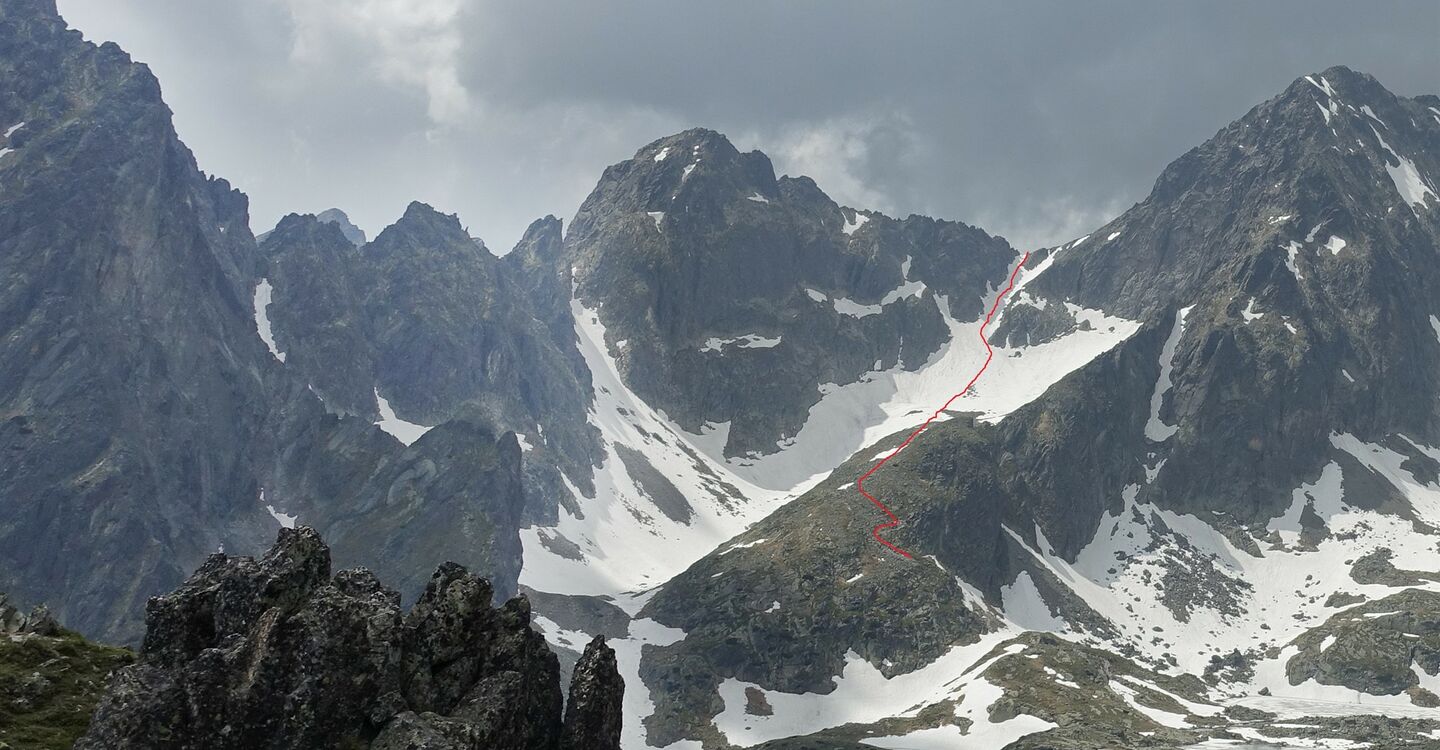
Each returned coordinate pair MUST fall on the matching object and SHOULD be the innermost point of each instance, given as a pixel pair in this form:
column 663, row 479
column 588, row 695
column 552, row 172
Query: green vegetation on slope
column 49, row 687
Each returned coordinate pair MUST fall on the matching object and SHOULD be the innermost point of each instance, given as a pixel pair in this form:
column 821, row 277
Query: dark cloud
column 1034, row 120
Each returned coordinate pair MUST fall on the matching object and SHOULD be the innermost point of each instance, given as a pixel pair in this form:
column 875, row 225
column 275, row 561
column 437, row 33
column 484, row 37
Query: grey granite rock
column 278, row 653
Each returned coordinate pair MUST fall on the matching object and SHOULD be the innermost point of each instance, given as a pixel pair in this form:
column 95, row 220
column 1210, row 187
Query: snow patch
column 285, row 519
column 1408, row 181
column 1025, row 607
column 748, row 341
column 1249, row 313
column 263, row 294
column 1292, row 251
column 907, row 288
column 1334, row 245
column 405, row 432
column 664, row 152
column 1371, row 114
column 856, row 223
column 742, row 545
column 1155, row 428
column 862, row 695
column 1326, row 87
column 758, row 198
column 657, row 217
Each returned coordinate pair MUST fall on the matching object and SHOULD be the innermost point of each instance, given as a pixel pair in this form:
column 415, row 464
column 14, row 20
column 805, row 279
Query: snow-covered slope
column 622, row 540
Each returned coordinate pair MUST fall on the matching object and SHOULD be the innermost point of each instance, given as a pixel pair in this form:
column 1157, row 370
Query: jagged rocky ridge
column 277, row 652
column 143, row 421
column 427, row 322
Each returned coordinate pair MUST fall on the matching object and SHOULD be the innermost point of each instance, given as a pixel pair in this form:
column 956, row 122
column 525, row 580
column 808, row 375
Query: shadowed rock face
column 143, row 422
column 428, row 319
column 592, row 715
column 691, row 246
column 277, row 652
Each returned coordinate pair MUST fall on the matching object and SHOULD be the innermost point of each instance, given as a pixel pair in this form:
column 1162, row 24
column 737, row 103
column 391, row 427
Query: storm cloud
column 1033, row 120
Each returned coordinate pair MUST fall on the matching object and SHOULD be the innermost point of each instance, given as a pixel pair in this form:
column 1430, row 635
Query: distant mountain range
column 1195, row 496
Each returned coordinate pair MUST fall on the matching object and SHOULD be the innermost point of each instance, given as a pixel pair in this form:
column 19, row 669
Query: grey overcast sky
column 1033, row 120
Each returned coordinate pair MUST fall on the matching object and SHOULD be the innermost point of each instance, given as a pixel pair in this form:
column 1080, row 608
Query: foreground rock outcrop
column 278, row 653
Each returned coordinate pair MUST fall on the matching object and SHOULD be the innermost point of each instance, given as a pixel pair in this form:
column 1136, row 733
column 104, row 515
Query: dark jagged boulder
column 279, row 653
column 592, row 715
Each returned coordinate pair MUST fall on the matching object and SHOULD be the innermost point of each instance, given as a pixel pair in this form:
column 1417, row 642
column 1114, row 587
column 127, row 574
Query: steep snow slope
column 625, row 540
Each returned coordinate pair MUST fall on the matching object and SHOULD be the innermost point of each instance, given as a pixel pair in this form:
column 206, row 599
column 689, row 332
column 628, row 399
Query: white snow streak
column 263, row 294
column 1408, row 181
column 748, row 341
column 1155, row 428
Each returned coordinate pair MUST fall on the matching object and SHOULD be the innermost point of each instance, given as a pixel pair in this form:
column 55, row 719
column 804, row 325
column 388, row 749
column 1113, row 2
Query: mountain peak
column 335, row 216
column 424, row 229
column 699, row 141
column 1338, row 82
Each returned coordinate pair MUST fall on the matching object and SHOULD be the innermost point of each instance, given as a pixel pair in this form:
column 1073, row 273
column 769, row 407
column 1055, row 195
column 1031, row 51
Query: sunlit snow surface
column 861, row 694
column 629, row 545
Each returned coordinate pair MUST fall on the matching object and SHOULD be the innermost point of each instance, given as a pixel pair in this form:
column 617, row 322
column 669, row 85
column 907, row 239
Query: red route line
column 989, row 354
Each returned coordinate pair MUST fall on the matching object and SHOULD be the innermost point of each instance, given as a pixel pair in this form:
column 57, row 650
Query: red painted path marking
column 989, row 354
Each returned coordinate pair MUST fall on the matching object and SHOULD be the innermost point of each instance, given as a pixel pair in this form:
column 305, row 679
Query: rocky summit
column 278, row 652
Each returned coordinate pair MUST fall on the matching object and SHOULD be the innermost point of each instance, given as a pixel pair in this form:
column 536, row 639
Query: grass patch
column 49, row 687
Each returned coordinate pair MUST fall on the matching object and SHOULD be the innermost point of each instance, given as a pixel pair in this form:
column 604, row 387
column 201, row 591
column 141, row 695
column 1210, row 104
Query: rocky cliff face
column 277, row 652
column 428, row 323
column 129, row 373
column 144, row 422
column 729, row 296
